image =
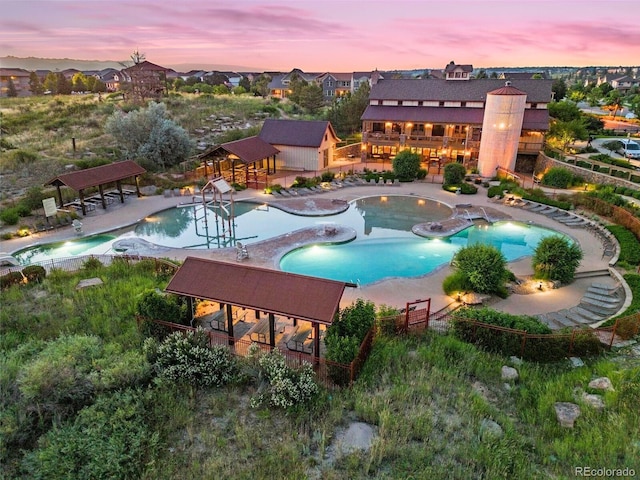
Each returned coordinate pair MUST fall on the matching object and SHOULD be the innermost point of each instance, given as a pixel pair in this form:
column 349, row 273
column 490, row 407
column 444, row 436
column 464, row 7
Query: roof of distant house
column 297, row 133
column 146, row 66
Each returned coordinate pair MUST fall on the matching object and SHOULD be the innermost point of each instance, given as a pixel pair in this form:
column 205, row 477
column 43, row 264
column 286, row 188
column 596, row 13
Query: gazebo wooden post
column 205, row 167
column 272, row 330
column 233, row 171
column 230, row 323
column 246, row 173
column 274, row 164
column 82, row 205
column 104, row 203
column 316, row 341
column 59, row 195
column 190, row 308
column 257, row 314
column 135, row 180
column 119, row 187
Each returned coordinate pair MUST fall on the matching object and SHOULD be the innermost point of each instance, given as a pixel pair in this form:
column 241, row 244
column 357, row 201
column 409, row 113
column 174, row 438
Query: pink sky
column 322, row 35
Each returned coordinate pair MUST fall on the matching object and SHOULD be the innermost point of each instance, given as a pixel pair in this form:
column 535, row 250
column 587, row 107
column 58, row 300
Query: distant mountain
column 59, row 64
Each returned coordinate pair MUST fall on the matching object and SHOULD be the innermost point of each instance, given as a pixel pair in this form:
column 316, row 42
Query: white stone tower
column 501, row 128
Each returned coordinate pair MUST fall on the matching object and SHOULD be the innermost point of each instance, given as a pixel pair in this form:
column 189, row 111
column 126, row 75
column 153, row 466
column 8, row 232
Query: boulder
column 593, row 400
column 509, row 373
column 601, row 383
column 490, row 429
column 566, row 413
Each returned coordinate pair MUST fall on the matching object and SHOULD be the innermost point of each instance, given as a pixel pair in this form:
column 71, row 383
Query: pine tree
column 11, row 89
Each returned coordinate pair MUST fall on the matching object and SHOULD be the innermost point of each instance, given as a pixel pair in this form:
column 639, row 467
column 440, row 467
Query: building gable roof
column 272, row 291
column 296, row 133
column 148, row 66
column 474, row 90
column 92, row 177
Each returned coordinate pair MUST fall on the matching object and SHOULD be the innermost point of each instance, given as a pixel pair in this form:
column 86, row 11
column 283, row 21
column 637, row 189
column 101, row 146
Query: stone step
column 577, row 318
column 586, row 313
column 592, row 273
column 611, row 306
column 560, row 319
column 604, row 286
column 549, row 322
column 604, row 291
column 602, row 298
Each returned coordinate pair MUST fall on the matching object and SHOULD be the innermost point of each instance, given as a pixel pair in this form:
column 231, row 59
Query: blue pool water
column 365, row 262
column 384, row 247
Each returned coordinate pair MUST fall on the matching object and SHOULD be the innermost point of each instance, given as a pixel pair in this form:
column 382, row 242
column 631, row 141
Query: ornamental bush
column 406, row 165
column 556, row 258
column 186, row 358
column 34, row 273
column 283, row 386
column 483, row 266
column 11, row 278
column 454, row 173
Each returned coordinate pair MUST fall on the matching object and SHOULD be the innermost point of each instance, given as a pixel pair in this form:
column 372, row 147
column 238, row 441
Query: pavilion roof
column 92, row 177
column 272, row 291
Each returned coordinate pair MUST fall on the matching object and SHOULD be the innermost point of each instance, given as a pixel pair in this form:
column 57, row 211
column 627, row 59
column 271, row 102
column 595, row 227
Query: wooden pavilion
column 299, row 297
column 98, row 177
column 252, row 155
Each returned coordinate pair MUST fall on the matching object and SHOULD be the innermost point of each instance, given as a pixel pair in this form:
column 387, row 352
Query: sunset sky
column 322, row 35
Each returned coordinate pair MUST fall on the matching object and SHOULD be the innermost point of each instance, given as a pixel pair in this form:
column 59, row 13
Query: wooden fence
column 579, row 341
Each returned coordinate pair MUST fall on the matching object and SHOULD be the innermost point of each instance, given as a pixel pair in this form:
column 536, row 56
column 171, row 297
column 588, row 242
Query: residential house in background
column 445, row 120
column 20, row 79
column 146, row 80
column 279, row 86
column 302, row 145
column 335, row 84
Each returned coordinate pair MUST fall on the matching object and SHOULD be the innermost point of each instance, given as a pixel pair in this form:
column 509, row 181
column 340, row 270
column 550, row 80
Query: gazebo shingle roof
column 92, row 177
column 296, row 296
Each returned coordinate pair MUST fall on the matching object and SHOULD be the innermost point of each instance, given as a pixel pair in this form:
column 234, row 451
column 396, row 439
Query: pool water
column 94, row 245
column 365, row 262
column 384, row 246
column 371, row 217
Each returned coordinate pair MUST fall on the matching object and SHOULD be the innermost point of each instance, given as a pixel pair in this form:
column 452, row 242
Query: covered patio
column 98, row 177
column 242, row 161
column 243, row 293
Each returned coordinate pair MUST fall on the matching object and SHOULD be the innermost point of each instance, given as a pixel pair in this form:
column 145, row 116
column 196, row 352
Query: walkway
column 393, row 292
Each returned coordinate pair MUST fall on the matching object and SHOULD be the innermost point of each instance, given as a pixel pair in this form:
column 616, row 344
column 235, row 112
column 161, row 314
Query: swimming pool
column 365, row 262
column 384, row 246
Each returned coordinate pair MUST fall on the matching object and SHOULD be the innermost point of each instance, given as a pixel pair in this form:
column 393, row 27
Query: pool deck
column 393, row 292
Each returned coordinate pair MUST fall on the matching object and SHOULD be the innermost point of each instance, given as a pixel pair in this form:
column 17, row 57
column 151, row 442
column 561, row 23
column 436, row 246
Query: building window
column 329, row 83
column 399, row 103
column 441, row 104
column 534, row 105
column 420, row 103
column 463, row 104
column 328, row 93
column 380, row 102
column 377, row 127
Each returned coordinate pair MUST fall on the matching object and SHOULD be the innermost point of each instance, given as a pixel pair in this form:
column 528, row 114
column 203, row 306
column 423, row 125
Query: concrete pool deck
column 393, row 292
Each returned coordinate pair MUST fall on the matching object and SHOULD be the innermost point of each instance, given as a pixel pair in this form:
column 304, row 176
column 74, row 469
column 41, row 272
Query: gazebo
column 98, row 177
column 249, row 152
column 299, row 297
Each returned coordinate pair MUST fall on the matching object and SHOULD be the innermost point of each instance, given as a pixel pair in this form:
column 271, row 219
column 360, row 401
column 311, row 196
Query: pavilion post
column 104, row 203
column 274, row 164
column 272, row 330
column 316, row 341
column 119, row 187
column 82, row 205
column 190, row 309
column 230, row 323
column 59, row 195
column 135, row 180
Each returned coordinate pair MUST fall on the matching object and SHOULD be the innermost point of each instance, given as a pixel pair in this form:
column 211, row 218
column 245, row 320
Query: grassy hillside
column 427, row 397
column 37, row 132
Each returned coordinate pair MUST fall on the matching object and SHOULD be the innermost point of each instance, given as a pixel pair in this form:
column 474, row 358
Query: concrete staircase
column 598, row 303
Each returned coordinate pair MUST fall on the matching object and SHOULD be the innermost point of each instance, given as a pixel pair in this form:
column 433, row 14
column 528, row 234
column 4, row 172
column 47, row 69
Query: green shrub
column 629, row 244
column 406, row 165
column 34, row 273
column 185, row 358
column 157, row 306
column 422, row 174
column 11, row 278
column 468, row 189
column 454, row 173
column 92, row 264
column 283, row 386
column 483, row 267
column 495, row 191
column 556, row 258
column 558, row 177
column 456, row 282
column 10, row 216
column 110, row 439
column 327, row 177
